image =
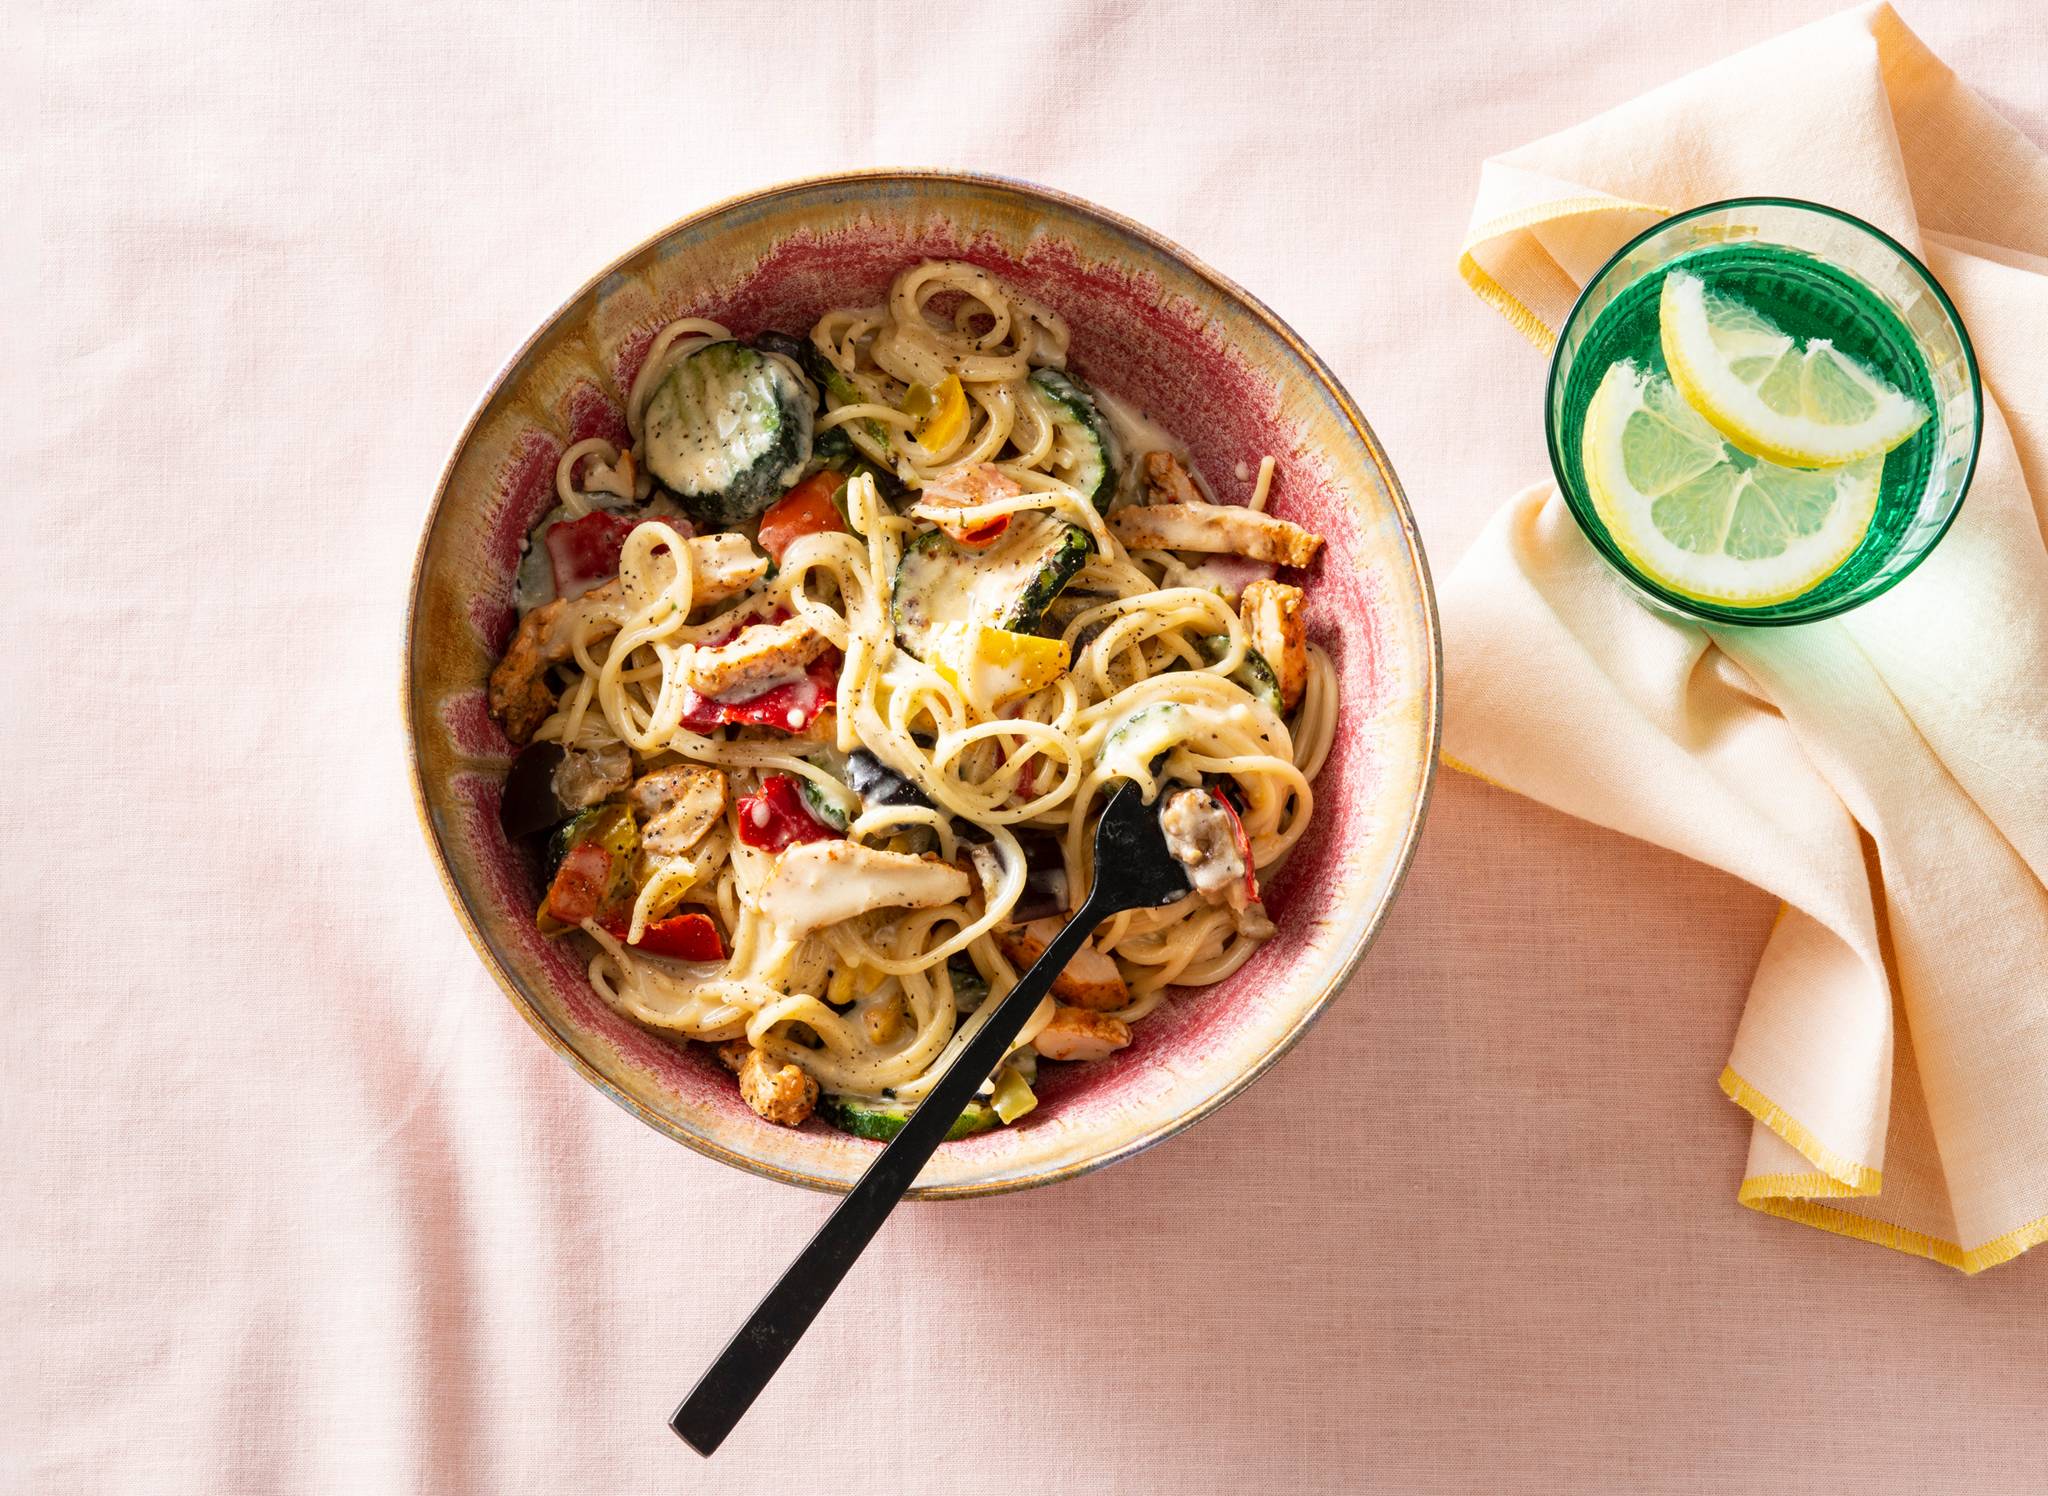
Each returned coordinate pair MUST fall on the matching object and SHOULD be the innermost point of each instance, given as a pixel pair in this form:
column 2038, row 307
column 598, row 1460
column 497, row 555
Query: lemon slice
column 1704, row 520
column 1805, row 407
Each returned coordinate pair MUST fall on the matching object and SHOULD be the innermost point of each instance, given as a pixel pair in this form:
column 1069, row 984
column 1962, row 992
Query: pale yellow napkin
column 1886, row 773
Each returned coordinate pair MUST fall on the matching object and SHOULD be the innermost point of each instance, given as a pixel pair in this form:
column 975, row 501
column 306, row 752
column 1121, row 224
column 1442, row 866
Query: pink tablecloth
column 294, row 1202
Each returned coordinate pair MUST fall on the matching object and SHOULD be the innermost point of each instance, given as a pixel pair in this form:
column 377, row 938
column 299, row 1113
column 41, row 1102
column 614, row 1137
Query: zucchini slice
column 1255, row 674
column 1138, row 742
column 820, row 805
column 1082, row 434
column 882, row 1120
column 1008, row 586
column 728, row 431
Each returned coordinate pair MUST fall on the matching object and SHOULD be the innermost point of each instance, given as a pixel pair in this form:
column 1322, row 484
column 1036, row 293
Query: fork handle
column 753, row 1355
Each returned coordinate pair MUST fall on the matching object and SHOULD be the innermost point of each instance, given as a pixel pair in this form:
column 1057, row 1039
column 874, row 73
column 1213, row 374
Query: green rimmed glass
column 1817, row 272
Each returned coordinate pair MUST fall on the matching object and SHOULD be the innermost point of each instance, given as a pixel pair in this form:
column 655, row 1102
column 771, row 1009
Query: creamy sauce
column 987, row 684
column 1198, row 834
column 1140, row 737
column 1136, row 434
column 1227, row 576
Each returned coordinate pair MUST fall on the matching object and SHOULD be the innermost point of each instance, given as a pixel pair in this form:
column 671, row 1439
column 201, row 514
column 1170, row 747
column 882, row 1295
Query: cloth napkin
column 1884, row 773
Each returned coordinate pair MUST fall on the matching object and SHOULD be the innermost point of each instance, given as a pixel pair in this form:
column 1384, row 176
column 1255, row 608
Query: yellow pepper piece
column 990, row 666
column 941, row 414
column 883, row 1020
column 1013, row 1096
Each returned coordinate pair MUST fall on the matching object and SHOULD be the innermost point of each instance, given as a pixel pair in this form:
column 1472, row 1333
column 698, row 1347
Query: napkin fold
column 1884, row 773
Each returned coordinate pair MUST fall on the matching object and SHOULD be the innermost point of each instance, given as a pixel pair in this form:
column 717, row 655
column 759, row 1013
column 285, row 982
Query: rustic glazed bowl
column 1151, row 324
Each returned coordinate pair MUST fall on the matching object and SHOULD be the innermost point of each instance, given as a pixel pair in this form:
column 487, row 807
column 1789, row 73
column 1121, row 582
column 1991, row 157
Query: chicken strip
column 763, row 655
column 1272, row 620
column 1221, row 528
column 782, row 1093
column 1075, row 1034
column 1091, row 980
column 1167, row 481
column 820, row 883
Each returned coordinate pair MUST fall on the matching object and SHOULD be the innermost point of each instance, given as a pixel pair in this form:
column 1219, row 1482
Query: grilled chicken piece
column 965, row 487
column 1091, row 980
column 722, row 566
column 1272, row 617
column 819, row 883
column 1223, row 528
column 520, row 696
column 763, row 655
column 782, row 1093
column 680, row 805
column 1075, row 1034
column 1167, row 481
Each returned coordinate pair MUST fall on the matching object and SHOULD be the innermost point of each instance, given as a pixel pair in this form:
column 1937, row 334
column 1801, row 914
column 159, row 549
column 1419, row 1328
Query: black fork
column 1133, row 870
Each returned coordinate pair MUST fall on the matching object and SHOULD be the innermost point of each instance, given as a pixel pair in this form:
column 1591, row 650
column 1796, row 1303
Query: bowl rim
column 1698, row 610
column 1432, row 684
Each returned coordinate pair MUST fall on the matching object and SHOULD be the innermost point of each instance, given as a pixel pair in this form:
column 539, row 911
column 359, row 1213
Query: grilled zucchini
column 1081, row 434
column 1008, row 586
column 728, row 431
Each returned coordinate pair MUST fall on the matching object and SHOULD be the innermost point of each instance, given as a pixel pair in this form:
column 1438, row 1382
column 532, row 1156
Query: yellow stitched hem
column 1829, row 1218
column 1899, row 1239
column 1860, row 1179
column 1502, row 300
column 1464, row 768
column 2005, row 1248
column 1499, row 297
column 1814, row 1186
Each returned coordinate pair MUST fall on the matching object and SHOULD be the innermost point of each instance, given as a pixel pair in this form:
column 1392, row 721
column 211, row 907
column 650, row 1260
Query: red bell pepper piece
column 806, row 509
column 1244, row 845
column 585, row 552
column 788, row 708
column 580, row 884
column 680, row 937
column 777, row 816
column 981, row 537
column 1027, row 782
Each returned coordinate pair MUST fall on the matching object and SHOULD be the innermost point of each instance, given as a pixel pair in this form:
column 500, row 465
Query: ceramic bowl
column 1150, row 323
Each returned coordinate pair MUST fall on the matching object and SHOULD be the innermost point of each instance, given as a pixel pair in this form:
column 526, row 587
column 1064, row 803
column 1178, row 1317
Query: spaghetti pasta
column 916, row 733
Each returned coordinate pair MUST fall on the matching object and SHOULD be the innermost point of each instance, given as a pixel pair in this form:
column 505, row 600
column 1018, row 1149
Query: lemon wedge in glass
column 1811, row 407
column 1703, row 519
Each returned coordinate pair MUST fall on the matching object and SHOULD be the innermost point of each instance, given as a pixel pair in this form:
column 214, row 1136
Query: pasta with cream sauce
column 824, row 679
